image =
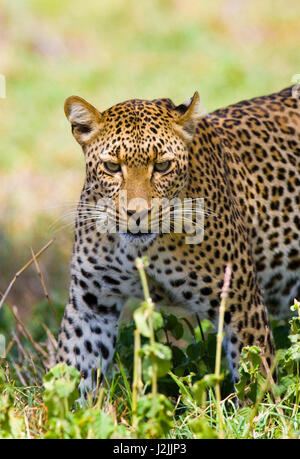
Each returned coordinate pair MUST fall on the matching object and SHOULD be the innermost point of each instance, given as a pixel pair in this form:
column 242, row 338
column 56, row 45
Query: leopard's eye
column 112, row 167
column 162, row 167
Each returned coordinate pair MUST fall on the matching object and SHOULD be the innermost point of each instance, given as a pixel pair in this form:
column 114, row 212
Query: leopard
column 242, row 161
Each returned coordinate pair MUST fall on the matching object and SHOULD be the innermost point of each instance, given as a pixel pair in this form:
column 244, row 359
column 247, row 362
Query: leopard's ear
column 188, row 115
column 84, row 118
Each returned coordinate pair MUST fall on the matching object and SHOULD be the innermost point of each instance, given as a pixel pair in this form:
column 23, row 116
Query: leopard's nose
column 138, row 216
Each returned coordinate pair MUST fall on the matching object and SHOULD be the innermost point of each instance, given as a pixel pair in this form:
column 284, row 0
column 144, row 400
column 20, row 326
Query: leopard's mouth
column 138, row 237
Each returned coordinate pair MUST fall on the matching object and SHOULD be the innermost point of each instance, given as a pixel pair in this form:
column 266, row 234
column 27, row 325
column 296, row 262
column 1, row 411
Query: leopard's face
column 136, row 154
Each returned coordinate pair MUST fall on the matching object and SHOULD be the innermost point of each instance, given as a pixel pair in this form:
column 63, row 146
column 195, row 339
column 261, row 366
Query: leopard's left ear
column 84, row 118
column 188, row 115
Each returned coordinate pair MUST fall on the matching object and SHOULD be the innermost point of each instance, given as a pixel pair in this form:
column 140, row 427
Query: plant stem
column 296, row 404
column 140, row 264
column 265, row 388
column 137, row 377
column 219, row 347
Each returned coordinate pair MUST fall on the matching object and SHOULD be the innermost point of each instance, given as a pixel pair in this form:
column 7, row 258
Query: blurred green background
column 108, row 51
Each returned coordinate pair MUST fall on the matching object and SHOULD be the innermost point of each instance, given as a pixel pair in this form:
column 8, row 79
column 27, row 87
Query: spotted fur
column 244, row 161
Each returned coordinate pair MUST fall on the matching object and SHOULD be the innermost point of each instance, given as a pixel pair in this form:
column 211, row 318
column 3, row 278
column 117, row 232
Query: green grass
column 165, row 382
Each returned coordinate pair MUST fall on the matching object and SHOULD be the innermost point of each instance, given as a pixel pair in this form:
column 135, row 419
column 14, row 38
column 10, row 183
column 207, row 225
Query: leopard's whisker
column 79, row 220
column 73, row 214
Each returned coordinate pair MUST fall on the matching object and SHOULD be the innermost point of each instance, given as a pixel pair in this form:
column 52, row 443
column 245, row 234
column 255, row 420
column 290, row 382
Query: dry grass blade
column 19, row 374
column 18, row 274
column 21, row 351
column 37, row 373
column 26, row 333
column 27, row 426
column 44, row 286
column 51, row 347
column 24, row 356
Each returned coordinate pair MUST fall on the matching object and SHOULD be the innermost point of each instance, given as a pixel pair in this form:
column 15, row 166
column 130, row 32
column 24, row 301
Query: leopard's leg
column 88, row 335
column 247, row 324
column 239, row 336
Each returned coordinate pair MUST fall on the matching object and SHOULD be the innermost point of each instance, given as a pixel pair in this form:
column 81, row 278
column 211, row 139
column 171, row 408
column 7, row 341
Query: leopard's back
column 262, row 138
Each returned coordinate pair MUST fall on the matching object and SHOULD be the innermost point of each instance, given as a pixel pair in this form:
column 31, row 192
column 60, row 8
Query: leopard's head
column 136, row 152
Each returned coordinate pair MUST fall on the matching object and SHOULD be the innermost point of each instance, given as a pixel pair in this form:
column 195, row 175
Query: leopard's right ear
column 84, row 118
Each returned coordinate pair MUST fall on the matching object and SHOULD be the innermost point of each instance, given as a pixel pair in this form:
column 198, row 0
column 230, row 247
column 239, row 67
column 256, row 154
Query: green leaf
column 195, row 350
column 102, row 425
column 202, row 429
column 155, row 416
column 199, row 391
column 61, row 389
column 157, row 354
column 140, row 316
column 182, row 388
column 251, row 380
column 240, row 387
column 157, row 320
column 162, row 368
column 172, row 324
column 170, row 321
column 177, row 331
column 296, row 306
